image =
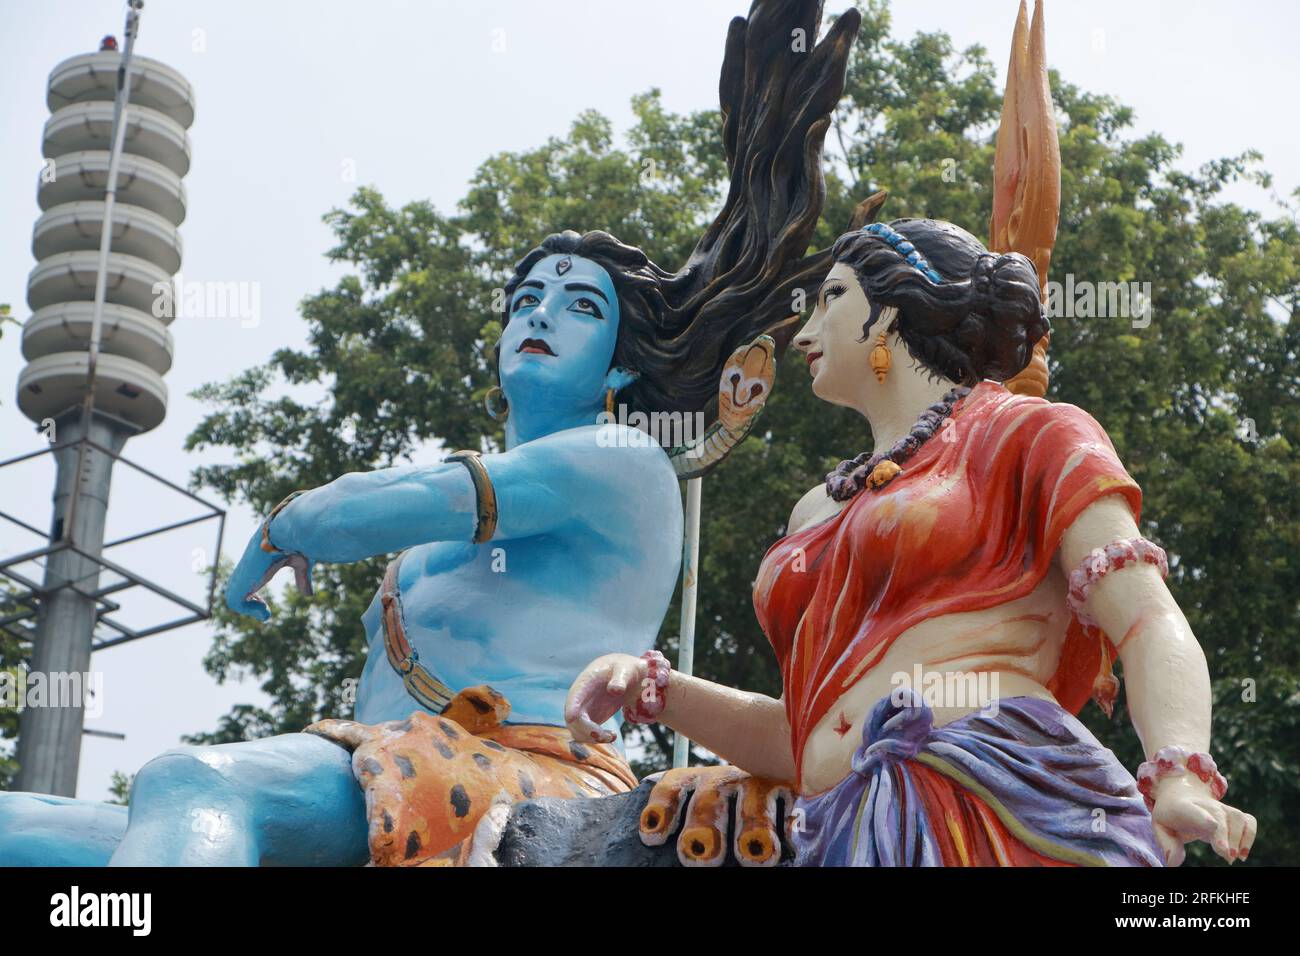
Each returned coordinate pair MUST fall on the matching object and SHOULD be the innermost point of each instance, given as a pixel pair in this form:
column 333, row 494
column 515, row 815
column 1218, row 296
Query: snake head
column 746, row 383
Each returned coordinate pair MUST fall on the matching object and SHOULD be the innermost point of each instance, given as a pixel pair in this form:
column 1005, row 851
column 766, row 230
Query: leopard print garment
column 428, row 779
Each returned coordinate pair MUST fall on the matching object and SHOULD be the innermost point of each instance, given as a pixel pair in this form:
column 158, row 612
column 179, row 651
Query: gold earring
column 494, row 402
column 881, row 359
column 609, row 403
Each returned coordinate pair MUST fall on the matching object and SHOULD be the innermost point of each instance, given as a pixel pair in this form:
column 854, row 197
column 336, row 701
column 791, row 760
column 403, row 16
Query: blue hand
column 255, row 570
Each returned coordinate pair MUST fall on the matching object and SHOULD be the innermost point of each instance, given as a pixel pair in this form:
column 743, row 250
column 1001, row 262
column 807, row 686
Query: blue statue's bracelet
column 486, row 525
column 266, row 525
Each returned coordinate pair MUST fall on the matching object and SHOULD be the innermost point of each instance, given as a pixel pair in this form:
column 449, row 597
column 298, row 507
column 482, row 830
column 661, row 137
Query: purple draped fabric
column 1036, row 762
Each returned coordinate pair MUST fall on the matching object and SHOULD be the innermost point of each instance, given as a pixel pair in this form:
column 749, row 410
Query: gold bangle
column 266, row 525
column 483, row 490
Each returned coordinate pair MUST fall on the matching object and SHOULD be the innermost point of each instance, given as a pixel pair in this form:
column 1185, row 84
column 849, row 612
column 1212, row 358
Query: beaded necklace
column 883, row 467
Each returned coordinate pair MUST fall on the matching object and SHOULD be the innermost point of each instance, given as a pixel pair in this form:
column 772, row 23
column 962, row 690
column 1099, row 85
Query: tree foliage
column 1203, row 403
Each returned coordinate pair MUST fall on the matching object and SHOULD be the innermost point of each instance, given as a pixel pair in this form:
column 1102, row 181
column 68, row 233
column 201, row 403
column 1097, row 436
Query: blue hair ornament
column 904, row 249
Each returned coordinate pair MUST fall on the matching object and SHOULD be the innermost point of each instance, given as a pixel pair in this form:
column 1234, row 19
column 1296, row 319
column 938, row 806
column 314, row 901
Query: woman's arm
column 748, row 730
column 1166, row 679
column 1168, row 683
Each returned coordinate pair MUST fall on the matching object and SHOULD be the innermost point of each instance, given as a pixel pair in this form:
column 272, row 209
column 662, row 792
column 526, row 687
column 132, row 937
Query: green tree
column 403, row 347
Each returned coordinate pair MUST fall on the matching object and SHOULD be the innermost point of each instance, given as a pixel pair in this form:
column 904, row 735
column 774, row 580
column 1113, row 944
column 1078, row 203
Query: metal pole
column 120, row 102
column 49, row 740
column 690, row 590
column 110, row 193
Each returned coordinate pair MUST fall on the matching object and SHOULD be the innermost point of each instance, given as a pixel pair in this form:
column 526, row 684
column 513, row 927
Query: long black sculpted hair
column 677, row 329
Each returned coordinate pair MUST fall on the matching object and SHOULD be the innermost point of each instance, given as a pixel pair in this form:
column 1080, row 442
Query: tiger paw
column 478, row 709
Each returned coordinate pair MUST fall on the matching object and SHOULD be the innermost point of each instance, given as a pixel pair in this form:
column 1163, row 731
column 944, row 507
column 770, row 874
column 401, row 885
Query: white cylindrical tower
column 124, row 369
column 146, row 246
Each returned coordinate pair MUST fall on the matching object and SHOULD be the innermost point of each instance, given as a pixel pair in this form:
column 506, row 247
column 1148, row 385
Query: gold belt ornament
column 420, row 682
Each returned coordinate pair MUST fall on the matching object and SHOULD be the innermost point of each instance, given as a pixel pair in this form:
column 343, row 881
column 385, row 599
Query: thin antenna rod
column 110, row 193
column 106, row 240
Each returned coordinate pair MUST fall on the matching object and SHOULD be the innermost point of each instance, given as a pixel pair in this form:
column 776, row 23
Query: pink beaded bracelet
column 650, row 704
column 1176, row 761
column 1112, row 557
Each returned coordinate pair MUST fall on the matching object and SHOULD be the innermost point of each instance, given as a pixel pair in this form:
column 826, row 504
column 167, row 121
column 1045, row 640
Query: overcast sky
column 412, row 95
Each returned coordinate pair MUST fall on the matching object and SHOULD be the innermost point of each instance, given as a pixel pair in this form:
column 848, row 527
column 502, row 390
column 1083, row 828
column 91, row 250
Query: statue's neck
column 530, row 420
column 894, row 407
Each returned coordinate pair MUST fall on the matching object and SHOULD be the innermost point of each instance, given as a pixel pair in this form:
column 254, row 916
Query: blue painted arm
column 366, row 513
column 580, row 475
column 356, row 516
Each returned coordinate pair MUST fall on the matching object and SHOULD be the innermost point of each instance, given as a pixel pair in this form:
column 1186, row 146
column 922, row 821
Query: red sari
column 973, row 521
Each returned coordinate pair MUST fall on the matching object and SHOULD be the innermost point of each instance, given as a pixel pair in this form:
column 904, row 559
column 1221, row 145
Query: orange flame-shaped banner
column 1027, row 172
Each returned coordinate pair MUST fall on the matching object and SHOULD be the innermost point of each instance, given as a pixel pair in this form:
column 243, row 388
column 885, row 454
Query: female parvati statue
column 515, row 568
column 989, row 543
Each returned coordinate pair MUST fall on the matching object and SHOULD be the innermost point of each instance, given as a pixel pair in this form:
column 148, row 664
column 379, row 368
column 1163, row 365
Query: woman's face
column 832, row 341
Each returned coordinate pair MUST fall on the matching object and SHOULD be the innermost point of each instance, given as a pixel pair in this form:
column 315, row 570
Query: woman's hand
column 255, row 570
column 1185, row 810
column 607, row 685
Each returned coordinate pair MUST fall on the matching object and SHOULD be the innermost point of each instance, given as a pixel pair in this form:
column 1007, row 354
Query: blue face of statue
column 559, row 341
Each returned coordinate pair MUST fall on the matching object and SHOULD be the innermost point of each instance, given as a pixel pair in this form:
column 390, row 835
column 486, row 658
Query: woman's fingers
column 588, row 705
column 1229, row 831
column 1218, row 835
column 1235, row 827
column 1170, row 845
column 1247, row 835
column 1240, row 833
column 622, row 675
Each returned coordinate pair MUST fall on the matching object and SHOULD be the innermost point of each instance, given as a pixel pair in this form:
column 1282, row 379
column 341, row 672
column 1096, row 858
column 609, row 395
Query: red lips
column 812, row 357
column 534, row 347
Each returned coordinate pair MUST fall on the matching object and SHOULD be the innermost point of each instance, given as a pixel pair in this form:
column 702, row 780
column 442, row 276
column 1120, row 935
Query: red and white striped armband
column 1101, row 561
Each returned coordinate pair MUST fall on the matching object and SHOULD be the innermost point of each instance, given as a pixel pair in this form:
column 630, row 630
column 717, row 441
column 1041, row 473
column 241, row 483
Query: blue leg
column 289, row 800
column 37, row 829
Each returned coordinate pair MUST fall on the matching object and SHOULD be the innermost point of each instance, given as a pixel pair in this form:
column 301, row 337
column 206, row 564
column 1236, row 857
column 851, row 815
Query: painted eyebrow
column 583, row 287
column 531, row 284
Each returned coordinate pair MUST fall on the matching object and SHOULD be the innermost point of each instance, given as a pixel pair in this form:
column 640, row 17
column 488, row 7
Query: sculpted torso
column 1016, row 645
column 524, row 615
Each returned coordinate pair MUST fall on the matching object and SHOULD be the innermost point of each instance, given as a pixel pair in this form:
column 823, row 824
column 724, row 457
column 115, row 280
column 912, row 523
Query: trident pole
column 690, row 590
